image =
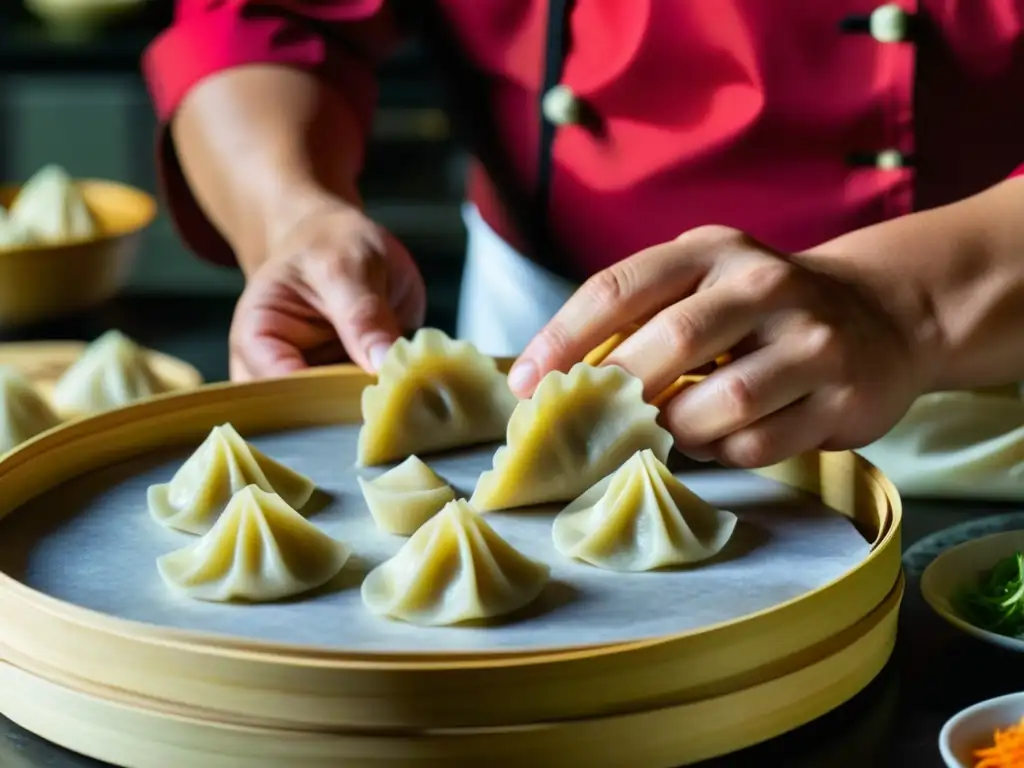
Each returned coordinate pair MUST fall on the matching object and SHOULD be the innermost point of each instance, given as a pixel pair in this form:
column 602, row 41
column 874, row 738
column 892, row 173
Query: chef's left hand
column 821, row 358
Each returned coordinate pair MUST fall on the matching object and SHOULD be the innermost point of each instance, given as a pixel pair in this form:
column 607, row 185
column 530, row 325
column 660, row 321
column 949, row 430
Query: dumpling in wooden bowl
column 576, row 429
column 432, row 394
column 52, row 209
column 640, row 518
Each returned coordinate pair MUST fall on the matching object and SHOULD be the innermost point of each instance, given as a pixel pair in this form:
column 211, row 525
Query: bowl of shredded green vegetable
column 978, row 586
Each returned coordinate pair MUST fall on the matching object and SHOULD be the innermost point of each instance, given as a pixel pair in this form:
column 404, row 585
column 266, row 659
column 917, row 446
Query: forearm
column 261, row 147
column 955, row 278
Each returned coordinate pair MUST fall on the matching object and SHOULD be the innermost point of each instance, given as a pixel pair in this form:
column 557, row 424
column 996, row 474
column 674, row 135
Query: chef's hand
column 819, row 360
column 334, row 287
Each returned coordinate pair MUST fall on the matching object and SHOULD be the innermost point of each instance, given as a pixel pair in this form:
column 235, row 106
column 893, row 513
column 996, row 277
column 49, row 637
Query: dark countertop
column 895, row 722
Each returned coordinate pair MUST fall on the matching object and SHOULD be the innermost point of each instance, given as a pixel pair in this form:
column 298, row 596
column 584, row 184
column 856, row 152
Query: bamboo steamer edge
column 136, row 733
column 325, row 688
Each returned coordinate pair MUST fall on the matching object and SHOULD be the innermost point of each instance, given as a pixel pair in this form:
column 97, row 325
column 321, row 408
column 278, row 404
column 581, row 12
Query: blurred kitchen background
column 71, row 94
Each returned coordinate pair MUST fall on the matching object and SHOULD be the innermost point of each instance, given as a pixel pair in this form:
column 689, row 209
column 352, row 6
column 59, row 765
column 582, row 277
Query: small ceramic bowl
column 962, row 566
column 973, row 728
column 43, row 281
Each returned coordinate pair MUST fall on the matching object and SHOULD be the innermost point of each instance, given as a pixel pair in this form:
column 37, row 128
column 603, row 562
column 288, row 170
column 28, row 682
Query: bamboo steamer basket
column 43, row 281
column 302, row 688
column 131, row 731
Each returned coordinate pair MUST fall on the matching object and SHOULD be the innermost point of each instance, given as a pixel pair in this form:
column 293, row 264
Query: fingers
column 353, row 293
column 750, row 389
column 687, row 335
column 268, row 357
column 798, row 428
column 607, row 302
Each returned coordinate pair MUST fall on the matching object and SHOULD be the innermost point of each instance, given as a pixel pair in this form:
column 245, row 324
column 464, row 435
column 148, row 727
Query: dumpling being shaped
column 23, row 411
column 220, row 467
column 52, row 208
column 455, row 568
column 112, row 372
column 432, row 394
column 576, row 429
column 13, row 234
column 404, row 498
column 640, row 518
column 259, row 551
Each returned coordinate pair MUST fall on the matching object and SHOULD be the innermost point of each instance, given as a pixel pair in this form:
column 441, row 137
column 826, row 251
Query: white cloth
column 950, row 444
column 506, row 298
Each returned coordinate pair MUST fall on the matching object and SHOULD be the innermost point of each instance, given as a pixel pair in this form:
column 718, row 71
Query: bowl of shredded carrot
column 987, row 735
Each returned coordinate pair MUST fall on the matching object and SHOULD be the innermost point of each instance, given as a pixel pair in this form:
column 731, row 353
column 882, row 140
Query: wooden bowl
column 75, row 19
column 43, row 281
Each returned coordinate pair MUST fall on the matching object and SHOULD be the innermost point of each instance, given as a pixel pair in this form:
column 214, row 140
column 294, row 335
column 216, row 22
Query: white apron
column 950, row 445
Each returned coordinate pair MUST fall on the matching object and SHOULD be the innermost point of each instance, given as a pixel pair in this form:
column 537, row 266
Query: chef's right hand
column 335, row 286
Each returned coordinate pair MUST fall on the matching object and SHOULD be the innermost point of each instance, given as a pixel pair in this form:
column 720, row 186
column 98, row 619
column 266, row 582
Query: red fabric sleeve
column 1019, row 171
column 340, row 40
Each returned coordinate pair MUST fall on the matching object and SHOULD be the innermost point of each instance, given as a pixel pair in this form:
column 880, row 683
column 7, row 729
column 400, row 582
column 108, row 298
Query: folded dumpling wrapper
column 23, row 411
column 576, row 429
column 51, row 207
column 113, row 372
column 12, row 233
column 220, row 467
column 641, row 518
column 455, row 568
column 405, row 497
column 432, row 394
column 957, row 445
column 260, row 550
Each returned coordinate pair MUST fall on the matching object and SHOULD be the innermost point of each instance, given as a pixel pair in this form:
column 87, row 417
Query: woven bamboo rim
column 308, row 687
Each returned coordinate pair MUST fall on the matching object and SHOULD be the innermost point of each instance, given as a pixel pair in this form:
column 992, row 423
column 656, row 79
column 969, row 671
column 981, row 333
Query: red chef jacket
column 794, row 120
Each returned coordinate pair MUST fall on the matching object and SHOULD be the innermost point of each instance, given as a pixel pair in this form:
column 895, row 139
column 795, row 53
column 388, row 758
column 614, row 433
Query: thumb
column 358, row 308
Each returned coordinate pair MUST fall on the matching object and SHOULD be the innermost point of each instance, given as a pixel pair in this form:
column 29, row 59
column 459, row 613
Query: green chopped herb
column 997, row 603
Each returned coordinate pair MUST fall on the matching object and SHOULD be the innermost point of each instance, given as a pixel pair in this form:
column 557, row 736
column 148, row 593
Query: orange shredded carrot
column 1007, row 750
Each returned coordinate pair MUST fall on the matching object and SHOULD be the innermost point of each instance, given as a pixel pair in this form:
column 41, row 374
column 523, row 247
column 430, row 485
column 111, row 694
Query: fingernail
column 377, row 354
column 523, row 376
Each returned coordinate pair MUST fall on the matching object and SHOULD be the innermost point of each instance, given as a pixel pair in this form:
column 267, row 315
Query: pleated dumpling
column 219, row 468
column 404, row 498
column 23, row 412
column 260, row 550
column 641, row 518
column 52, row 208
column 432, row 394
column 455, row 568
column 12, row 234
column 113, row 372
column 576, row 429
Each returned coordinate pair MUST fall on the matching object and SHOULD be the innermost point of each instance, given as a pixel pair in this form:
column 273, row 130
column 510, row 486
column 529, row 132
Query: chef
column 822, row 188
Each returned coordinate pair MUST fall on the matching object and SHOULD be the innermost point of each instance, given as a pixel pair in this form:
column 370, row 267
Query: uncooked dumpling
column 576, row 429
column 223, row 465
column 12, row 234
column 967, row 445
column 404, row 498
column 455, row 568
column 51, row 207
column 641, row 518
column 113, row 372
column 432, row 394
column 23, row 412
column 260, row 550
